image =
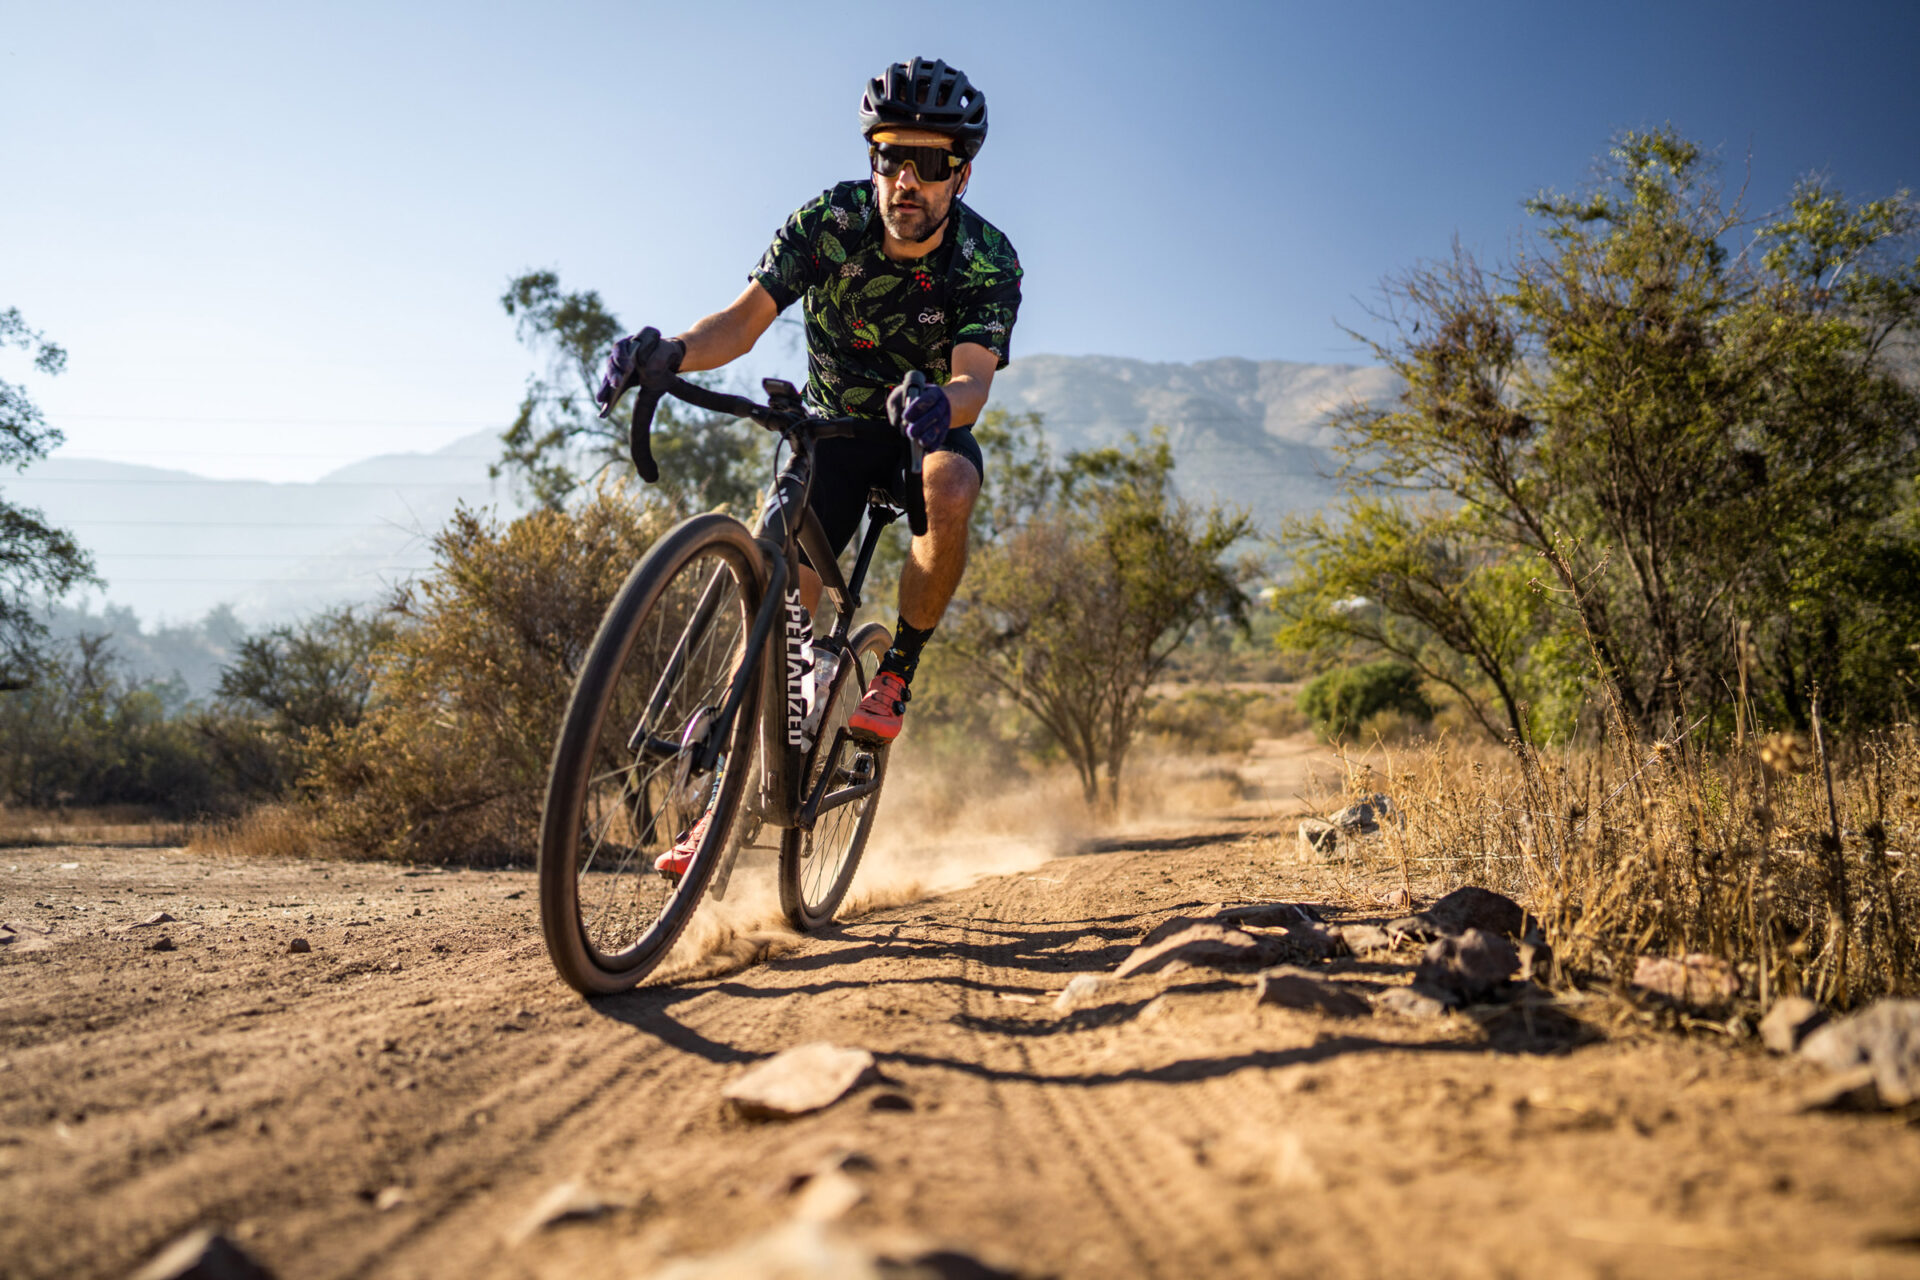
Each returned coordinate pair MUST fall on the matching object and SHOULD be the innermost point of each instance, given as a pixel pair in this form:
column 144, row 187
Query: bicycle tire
column 817, row 867
column 668, row 648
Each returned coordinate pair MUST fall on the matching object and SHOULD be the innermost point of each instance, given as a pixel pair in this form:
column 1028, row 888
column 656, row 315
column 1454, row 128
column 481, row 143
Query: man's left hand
column 926, row 418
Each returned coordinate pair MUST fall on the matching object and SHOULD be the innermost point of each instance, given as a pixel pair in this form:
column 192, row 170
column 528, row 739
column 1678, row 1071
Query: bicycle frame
column 781, row 539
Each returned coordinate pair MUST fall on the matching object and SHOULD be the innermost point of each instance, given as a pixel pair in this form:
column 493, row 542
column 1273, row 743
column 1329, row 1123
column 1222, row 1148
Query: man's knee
column 951, row 486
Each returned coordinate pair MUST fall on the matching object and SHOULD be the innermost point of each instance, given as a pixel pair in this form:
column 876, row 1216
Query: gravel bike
column 699, row 667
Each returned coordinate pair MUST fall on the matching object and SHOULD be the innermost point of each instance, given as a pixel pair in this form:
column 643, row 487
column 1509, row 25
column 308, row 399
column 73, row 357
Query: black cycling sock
column 904, row 656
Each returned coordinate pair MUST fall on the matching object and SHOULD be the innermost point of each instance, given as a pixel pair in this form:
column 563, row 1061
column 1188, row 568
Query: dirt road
column 396, row 1101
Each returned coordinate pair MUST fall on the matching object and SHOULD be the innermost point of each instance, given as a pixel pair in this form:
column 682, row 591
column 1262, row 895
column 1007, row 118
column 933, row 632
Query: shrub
column 449, row 761
column 1340, row 701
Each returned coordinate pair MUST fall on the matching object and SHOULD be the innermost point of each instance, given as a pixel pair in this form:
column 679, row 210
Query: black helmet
column 926, row 95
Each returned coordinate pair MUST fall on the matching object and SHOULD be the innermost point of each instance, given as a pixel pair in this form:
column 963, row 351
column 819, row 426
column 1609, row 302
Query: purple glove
column 645, row 358
column 924, row 419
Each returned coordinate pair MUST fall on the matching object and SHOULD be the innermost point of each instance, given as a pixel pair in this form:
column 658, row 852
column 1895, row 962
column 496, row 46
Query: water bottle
column 826, row 661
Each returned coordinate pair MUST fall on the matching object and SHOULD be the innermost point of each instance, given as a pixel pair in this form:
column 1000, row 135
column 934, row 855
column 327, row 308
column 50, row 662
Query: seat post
column 879, row 515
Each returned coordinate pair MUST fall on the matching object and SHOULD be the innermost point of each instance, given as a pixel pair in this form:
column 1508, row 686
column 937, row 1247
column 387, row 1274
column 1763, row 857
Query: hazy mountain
column 173, row 545
column 1249, row 432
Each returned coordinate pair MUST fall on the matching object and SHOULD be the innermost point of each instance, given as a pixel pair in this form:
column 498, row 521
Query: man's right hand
column 645, row 359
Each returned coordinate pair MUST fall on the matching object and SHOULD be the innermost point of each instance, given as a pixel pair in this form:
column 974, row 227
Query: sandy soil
column 397, row 1101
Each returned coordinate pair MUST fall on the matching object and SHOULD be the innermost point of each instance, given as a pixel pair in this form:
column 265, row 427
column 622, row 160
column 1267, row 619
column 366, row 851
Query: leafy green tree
column 1088, row 575
column 558, row 442
column 1339, row 702
column 36, row 559
column 1683, row 448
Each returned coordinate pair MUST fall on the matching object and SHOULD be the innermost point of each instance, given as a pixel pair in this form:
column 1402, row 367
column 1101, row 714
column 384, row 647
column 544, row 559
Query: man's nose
column 909, row 176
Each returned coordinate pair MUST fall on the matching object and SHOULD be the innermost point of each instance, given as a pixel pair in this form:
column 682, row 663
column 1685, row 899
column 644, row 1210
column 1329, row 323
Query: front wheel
column 646, row 760
column 817, row 866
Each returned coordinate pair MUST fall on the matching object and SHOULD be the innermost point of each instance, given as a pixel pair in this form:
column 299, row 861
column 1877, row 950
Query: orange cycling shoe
column 675, row 861
column 877, row 719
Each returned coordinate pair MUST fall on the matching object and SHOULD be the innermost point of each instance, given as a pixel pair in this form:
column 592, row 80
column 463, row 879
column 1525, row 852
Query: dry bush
column 450, row 762
column 1672, row 849
column 126, row 825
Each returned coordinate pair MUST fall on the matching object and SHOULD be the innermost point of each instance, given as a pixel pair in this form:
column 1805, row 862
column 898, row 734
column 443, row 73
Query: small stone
column 1410, row 1003
column 203, row 1255
column 1395, row 899
column 1078, row 992
column 567, row 1202
column 1791, row 1020
column 390, row 1198
column 1170, row 926
column 1473, row 966
column 1208, row 945
column 511, row 894
column 1471, row 907
column 1855, row 1090
column 798, row 1081
column 394, row 966
column 1297, row 989
column 1301, row 944
column 891, row 1102
column 1885, row 1037
column 1362, row 938
column 1318, row 836
column 1536, row 958
column 158, row 917
column 1268, row 915
column 1693, row 981
column 162, row 943
column 299, row 947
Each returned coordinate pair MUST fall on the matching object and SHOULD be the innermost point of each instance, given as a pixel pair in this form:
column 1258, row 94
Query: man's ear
column 966, row 176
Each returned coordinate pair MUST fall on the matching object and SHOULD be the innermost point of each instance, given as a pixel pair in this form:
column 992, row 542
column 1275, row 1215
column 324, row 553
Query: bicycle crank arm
column 866, row 781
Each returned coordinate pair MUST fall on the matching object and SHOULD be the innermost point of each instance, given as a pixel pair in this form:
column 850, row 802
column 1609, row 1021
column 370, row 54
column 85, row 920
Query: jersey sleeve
column 988, row 299
column 800, row 256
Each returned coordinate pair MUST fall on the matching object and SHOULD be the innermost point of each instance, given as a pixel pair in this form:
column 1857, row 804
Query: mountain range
column 173, row 545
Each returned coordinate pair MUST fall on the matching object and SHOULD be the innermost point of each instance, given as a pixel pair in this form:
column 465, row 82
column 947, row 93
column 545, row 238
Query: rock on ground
column 1883, row 1037
column 1318, row 836
column 1084, row 989
column 1472, row 967
column 1207, row 945
column 566, row 1202
column 811, row 1251
column 1693, row 981
column 1296, row 989
column 1469, row 907
column 799, row 1080
column 1362, row 938
column 1791, row 1020
column 203, row 1255
column 1409, row 1003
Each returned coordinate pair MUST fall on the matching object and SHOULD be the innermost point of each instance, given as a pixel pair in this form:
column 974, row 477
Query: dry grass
column 1750, row 856
column 270, row 831
column 125, row 826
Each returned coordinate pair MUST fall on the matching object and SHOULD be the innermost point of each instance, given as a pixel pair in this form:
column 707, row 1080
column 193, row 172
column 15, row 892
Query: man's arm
column 726, row 335
column 973, row 367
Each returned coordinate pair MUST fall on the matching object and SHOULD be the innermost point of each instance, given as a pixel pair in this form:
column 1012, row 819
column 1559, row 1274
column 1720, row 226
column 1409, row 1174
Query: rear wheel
column 643, row 760
column 817, row 866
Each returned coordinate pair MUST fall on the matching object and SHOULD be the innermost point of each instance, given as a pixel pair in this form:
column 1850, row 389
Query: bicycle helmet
column 926, row 95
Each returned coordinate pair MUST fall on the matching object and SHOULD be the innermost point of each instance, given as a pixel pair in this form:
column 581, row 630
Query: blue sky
column 272, row 237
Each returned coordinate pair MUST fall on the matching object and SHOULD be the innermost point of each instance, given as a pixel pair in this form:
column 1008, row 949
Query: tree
column 36, row 559
column 1686, row 450
column 558, row 442
column 1086, row 578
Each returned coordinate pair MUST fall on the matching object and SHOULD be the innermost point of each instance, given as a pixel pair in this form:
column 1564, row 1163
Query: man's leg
column 935, row 563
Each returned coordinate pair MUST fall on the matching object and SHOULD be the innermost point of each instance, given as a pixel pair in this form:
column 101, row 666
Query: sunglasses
column 930, row 164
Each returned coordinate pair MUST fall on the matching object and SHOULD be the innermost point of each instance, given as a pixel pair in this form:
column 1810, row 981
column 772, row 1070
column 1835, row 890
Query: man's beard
column 914, row 225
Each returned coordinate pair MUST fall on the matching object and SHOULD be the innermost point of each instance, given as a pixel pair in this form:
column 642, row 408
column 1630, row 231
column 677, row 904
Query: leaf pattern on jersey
column 868, row 319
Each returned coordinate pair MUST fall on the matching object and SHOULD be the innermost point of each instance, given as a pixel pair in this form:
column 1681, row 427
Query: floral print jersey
column 871, row 320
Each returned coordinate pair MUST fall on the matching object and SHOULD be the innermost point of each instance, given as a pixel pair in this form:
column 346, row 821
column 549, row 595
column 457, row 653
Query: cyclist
column 894, row 273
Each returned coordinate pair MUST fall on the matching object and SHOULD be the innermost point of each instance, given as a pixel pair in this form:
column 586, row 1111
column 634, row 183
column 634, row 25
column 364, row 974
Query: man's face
column 909, row 208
